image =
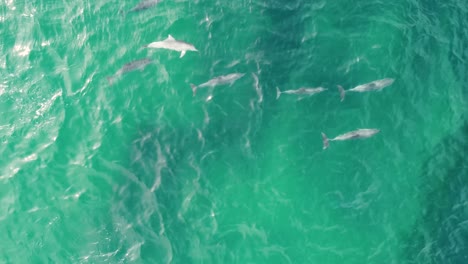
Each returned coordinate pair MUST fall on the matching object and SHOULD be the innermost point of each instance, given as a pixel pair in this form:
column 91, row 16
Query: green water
column 144, row 172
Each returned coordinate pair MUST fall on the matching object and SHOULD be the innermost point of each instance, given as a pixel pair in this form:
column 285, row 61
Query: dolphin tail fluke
column 278, row 93
column 325, row 141
column 194, row 88
column 342, row 92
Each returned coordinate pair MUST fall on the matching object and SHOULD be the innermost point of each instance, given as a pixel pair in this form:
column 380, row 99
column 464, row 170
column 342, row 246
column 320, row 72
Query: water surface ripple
column 143, row 171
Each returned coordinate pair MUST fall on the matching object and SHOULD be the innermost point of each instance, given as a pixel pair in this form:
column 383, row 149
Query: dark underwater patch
column 441, row 233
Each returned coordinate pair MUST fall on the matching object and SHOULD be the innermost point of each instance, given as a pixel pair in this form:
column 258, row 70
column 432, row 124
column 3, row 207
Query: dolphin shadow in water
column 129, row 67
column 143, row 5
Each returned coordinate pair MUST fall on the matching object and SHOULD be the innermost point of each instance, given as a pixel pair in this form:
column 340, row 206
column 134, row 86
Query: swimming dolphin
column 143, row 5
column 220, row 80
column 372, row 86
column 360, row 133
column 301, row 91
column 172, row 44
column 128, row 67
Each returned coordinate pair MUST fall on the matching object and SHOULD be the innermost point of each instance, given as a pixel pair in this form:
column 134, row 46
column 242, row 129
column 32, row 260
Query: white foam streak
column 46, row 105
column 258, row 88
column 133, row 253
column 22, row 50
column 160, row 164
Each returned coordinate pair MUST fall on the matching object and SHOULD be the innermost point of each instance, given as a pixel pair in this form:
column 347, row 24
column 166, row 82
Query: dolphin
column 220, row 80
column 172, row 44
column 360, row 133
column 372, row 86
column 143, row 5
column 128, row 67
column 301, row 91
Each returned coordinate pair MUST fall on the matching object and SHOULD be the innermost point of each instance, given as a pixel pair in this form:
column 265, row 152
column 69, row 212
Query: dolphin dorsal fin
column 169, row 37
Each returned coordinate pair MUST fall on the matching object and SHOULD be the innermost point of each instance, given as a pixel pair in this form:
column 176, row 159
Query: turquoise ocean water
column 142, row 171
